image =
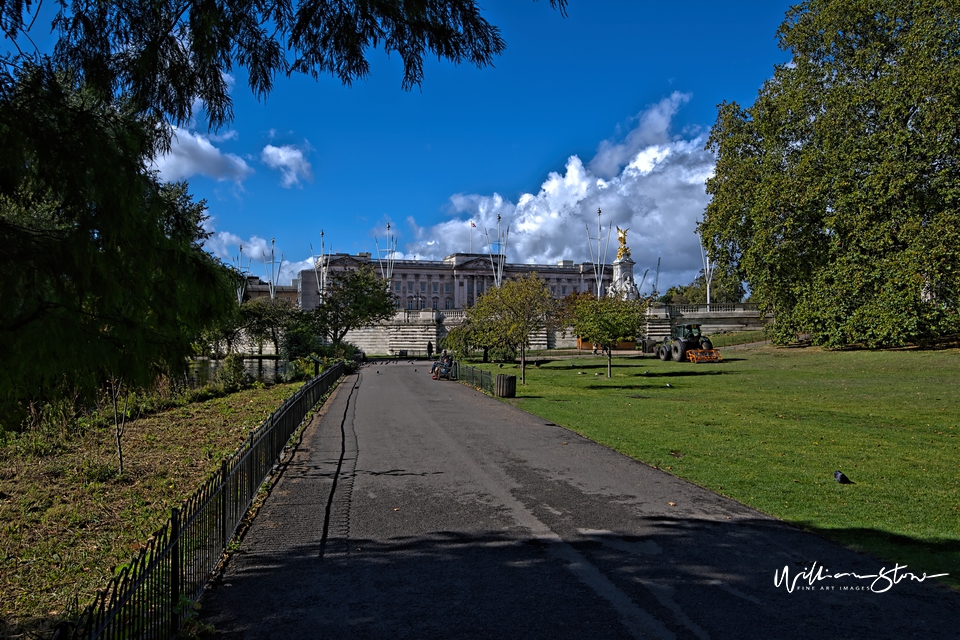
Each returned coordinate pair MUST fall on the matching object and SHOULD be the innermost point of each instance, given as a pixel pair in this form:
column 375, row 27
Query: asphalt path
column 414, row 508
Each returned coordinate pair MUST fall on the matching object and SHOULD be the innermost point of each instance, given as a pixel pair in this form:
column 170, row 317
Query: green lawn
column 769, row 426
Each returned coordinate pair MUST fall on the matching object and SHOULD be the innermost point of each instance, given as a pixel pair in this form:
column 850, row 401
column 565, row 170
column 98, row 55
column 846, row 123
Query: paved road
column 416, row 508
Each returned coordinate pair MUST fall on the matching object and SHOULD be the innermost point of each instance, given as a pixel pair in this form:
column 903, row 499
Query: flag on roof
column 472, row 224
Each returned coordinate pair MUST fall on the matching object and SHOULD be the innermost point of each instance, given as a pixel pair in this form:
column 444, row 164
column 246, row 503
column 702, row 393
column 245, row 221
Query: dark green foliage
column 104, row 272
column 302, row 335
column 354, row 299
column 836, row 193
column 231, row 375
column 725, row 287
column 266, row 319
column 164, row 54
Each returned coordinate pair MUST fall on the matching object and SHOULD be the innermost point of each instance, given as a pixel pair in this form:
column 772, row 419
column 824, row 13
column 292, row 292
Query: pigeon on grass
column 842, row 479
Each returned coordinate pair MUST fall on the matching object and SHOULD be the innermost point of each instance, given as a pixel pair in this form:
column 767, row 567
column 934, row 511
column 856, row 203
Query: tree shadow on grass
column 920, row 555
column 681, row 374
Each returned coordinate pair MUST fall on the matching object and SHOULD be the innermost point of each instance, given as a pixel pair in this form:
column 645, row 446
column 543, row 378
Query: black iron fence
column 476, row 378
column 153, row 595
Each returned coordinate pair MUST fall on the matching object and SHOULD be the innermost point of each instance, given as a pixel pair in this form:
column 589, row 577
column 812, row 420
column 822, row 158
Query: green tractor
column 687, row 342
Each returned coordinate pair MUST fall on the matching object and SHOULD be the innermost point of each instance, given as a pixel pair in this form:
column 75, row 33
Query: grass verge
column 66, row 519
column 769, row 426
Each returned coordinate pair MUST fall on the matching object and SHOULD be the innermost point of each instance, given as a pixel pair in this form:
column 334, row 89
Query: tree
column 460, row 340
column 511, row 313
column 221, row 339
column 726, row 287
column 354, row 298
column 608, row 321
column 835, row 194
column 104, row 271
column 301, row 337
column 164, row 55
column 266, row 319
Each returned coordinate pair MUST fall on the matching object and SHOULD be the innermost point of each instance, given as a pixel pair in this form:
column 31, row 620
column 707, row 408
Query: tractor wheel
column 705, row 343
column 664, row 352
column 679, row 351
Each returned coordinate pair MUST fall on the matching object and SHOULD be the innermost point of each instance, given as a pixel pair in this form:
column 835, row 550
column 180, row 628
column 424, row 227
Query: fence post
column 224, row 477
column 174, row 572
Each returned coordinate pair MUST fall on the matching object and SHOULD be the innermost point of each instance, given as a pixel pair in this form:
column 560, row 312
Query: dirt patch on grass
column 67, row 521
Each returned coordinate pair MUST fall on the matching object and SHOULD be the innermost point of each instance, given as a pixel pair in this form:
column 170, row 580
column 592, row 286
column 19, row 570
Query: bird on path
column 842, row 479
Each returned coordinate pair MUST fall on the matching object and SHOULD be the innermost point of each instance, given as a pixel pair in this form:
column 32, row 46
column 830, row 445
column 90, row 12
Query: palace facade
column 454, row 283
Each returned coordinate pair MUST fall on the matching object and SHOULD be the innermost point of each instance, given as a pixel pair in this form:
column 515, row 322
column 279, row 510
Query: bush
column 231, row 374
column 503, row 354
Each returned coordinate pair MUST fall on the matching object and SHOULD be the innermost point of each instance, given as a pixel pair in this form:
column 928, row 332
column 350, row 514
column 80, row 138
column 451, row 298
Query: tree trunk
column 523, row 365
column 609, row 362
column 119, row 420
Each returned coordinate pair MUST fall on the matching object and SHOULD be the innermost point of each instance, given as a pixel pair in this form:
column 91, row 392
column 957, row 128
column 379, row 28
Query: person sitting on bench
column 442, row 366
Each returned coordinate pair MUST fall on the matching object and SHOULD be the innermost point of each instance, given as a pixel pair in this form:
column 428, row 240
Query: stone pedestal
column 623, row 285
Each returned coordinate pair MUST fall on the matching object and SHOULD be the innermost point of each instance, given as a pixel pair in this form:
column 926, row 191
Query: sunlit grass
column 769, row 426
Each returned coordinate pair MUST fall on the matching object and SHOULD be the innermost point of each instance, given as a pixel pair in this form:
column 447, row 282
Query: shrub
column 231, row 374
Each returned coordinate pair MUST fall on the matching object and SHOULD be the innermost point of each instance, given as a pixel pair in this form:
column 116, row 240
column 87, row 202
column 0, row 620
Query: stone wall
column 410, row 331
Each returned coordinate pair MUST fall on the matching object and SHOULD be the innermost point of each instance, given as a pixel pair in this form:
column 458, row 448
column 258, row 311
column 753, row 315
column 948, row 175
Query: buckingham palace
column 453, row 283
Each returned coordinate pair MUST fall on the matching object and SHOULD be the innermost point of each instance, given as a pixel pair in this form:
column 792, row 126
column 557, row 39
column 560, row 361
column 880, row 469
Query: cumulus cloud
column 193, row 153
column 256, row 256
column 290, row 161
column 651, row 182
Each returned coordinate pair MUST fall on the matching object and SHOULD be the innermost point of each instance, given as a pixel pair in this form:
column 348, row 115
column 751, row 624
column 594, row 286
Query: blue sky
column 609, row 107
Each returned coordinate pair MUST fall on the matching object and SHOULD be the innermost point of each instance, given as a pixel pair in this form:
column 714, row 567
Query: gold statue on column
column 624, row 250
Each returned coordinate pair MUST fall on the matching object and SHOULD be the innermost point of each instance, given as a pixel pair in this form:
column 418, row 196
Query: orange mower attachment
column 704, row 355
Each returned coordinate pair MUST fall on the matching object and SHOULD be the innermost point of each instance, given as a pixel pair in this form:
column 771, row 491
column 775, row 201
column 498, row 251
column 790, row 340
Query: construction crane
column 643, row 279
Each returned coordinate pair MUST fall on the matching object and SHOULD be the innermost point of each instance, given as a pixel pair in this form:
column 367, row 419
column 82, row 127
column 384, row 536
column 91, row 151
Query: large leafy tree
column 836, row 194
column 510, row 314
column 105, row 276
column 608, row 320
column 353, row 299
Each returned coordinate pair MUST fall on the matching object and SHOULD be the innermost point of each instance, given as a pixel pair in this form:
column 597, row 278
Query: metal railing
column 153, row 595
column 474, row 377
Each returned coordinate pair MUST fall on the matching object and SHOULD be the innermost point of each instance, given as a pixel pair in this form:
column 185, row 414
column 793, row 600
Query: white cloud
column 255, row 257
column 291, row 162
column 192, row 153
column 651, row 182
